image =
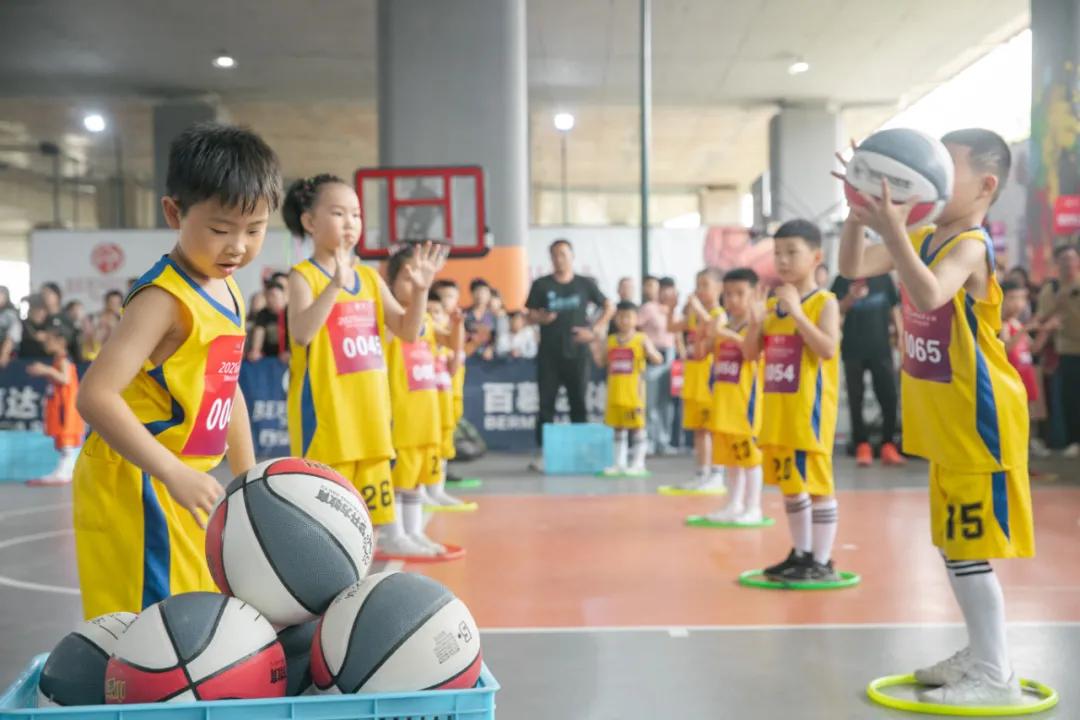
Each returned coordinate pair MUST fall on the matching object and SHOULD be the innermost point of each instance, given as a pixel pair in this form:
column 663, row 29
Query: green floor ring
column 701, row 521
column 755, row 578
column 1047, row 698
column 464, row 483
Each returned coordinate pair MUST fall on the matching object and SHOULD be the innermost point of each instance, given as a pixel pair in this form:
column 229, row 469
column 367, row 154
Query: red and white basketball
column 288, row 536
column 915, row 165
column 74, row 674
column 196, row 646
column 396, row 632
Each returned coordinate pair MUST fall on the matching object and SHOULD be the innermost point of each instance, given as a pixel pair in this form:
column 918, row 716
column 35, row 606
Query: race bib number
column 442, row 374
column 354, row 336
column 727, row 364
column 676, row 378
column 419, row 365
column 926, row 342
column 219, row 388
column 783, row 363
column 620, row 361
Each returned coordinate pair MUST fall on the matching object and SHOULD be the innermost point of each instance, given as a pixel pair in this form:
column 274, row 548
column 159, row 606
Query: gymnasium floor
column 596, row 603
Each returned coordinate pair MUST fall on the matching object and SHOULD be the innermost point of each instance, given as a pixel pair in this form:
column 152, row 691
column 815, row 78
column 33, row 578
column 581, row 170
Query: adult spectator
column 625, row 290
column 53, row 299
column 559, row 303
column 1059, row 309
column 114, row 303
column 32, row 346
column 479, row 320
column 669, row 301
column 10, row 327
column 868, row 307
column 269, row 333
column 653, row 321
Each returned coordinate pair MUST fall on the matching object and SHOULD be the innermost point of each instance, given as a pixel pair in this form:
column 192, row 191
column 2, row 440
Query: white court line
column 678, row 631
column 32, row 510
column 23, row 584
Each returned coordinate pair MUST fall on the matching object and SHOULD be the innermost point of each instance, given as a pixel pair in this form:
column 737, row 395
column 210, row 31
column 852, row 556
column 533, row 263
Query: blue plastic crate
column 20, row 700
column 25, row 455
column 581, row 449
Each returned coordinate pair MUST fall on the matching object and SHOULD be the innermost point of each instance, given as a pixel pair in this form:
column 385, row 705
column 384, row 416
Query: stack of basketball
column 289, row 545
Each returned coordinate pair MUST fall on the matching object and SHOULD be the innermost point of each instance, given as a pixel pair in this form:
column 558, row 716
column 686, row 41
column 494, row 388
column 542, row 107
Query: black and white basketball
column 396, row 632
column 74, row 674
column 288, row 536
column 296, row 642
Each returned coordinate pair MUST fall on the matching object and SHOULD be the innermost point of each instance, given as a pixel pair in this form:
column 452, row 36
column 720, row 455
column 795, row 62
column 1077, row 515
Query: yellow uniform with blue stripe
column 134, row 544
column 965, row 410
column 414, row 400
column 801, row 394
column 625, row 383
column 339, row 397
column 696, row 393
column 736, row 412
column 459, row 391
column 444, row 381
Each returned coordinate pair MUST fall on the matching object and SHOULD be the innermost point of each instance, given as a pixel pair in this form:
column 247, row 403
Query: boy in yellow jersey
column 964, row 405
column 449, row 295
column 338, row 314
column 799, row 330
column 625, row 354
column 414, row 400
column 162, row 395
column 702, row 310
column 735, row 420
column 451, row 327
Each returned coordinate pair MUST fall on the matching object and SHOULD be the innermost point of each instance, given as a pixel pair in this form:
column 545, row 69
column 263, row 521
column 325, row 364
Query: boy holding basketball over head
column 62, row 421
column 625, row 354
column 964, row 405
column 702, row 310
column 162, row 395
column 799, row 330
column 736, row 413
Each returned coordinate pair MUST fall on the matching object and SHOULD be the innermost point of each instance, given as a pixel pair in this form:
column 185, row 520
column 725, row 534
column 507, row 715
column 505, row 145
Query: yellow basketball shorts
column 798, row 471
column 371, row 478
column 980, row 516
column 447, row 451
column 622, row 417
column 134, row 544
column 735, row 450
column 696, row 415
column 415, row 466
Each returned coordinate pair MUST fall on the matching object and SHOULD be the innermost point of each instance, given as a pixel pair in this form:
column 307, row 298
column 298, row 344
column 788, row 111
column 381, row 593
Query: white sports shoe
column 976, row 688
column 637, row 471
column 1038, row 448
column 748, row 517
column 438, row 496
column 712, row 482
column 725, row 514
column 1073, row 451
column 948, row 671
column 537, row 464
column 402, row 544
column 428, row 544
column 613, row 471
column 694, row 483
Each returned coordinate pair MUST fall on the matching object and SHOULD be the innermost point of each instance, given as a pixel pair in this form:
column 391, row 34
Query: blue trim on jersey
column 356, row 277
column 804, row 298
column 752, row 404
column 986, row 421
column 308, row 420
column 1001, row 502
column 230, row 315
column 815, row 415
column 800, row 464
column 147, row 278
column 155, row 547
column 159, row 426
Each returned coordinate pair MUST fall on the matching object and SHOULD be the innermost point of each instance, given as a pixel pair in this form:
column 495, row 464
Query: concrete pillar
column 171, row 119
column 453, row 91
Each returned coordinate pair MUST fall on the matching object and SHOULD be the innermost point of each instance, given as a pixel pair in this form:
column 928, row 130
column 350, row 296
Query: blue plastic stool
column 582, row 449
column 25, row 455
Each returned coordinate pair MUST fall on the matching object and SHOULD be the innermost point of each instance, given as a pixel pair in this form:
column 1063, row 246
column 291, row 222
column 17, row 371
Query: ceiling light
column 564, row 122
column 94, row 122
column 224, row 62
column 798, row 67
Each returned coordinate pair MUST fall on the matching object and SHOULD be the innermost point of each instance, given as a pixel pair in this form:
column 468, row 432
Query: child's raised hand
column 757, row 307
column 842, row 176
column 788, row 297
column 343, row 268
column 428, row 261
column 883, row 216
column 194, row 491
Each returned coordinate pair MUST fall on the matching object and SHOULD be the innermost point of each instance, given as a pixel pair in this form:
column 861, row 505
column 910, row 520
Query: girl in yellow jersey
column 447, row 361
column 449, row 294
column 162, row 395
column 964, row 405
column 625, row 354
column 339, row 315
column 735, row 420
column 702, row 311
column 800, row 334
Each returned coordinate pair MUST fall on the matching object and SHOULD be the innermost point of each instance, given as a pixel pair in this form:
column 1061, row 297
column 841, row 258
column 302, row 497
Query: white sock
column 753, row 477
column 412, row 512
column 798, row 516
column 622, row 448
column 716, row 472
column 978, row 592
column 68, row 456
column 395, row 528
column 736, row 486
column 641, row 446
column 825, row 514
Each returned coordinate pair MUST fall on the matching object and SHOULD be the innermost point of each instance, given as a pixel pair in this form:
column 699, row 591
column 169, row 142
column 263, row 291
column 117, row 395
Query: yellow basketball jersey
column 459, row 392
column 736, row 388
column 625, row 365
column 698, row 363
column 800, row 389
column 444, row 383
column 186, row 402
column 964, row 405
column 339, row 398
column 413, row 393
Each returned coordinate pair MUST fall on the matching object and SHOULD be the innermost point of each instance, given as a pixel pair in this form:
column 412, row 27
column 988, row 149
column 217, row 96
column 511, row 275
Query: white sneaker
column 402, row 544
column 748, row 517
column 613, row 471
column 948, row 671
column 694, row 483
column 440, row 497
column 637, row 471
column 1039, row 449
column 1073, row 451
column 724, row 515
column 976, row 688
column 537, row 464
column 432, row 547
column 425, row 495
column 712, row 483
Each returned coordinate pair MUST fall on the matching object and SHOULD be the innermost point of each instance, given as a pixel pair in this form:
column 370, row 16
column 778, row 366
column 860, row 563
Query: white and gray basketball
column 396, row 632
column 288, row 536
column 296, row 642
column 74, row 674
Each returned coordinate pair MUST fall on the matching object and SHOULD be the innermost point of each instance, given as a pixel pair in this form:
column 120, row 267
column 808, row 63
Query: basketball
column 74, row 674
column 396, row 632
column 913, row 163
column 296, row 642
column 196, row 646
column 287, row 537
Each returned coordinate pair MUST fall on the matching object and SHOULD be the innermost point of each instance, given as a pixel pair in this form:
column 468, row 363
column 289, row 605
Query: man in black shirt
column 559, row 304
column 868, row 307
